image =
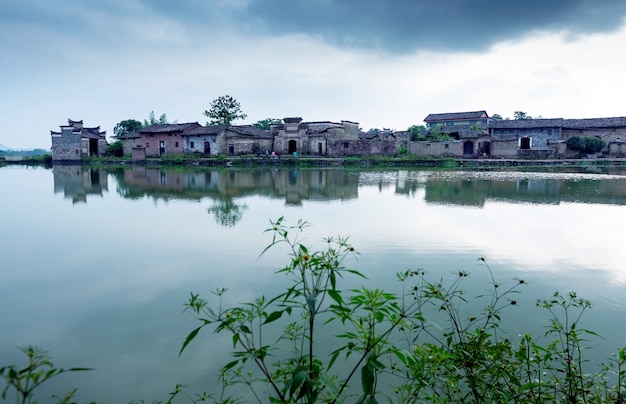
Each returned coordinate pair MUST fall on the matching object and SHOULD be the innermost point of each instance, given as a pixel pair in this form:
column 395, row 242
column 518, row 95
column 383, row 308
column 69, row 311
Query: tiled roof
column 129, row 135
column 204, row 130
column 526, row 123
column 249, row 130
column 595, row 123
column 452, row 116
column 169, row 127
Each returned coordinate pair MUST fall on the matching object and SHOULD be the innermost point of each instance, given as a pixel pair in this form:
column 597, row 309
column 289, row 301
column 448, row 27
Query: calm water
column 96, row 265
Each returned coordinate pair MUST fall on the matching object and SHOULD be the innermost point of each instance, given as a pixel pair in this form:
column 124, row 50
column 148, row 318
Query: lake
column 98, row 263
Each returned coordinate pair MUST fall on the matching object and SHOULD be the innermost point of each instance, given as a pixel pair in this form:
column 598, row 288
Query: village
column 466, row 135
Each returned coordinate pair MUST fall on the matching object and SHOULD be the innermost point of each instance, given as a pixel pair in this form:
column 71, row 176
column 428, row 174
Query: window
column 446, row 146
column 147, row 145
column 525, row 143
column 191, row 144
column 176, row 144
column 345, row 145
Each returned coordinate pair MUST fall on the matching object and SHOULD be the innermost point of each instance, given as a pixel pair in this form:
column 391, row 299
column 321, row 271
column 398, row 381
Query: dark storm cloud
column 394, row 25
column 406, row 25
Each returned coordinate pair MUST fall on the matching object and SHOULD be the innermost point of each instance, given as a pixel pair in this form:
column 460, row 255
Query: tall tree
column 125, row 126
column 496, row 117
column 264, row 124
column 224, row 110
column 153, row 121
column 521, row 115
column 418, row 132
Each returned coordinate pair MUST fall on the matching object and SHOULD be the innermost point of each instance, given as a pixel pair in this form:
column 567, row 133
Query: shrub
column 586, row 144
column 115, row 149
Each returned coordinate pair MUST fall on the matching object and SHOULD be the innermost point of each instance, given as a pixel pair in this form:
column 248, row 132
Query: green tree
column 496, row 117
column 115, row 149
column 264, row 124
column 126, row 126
column 224, row 110
column 436, row 135
column 153, row 121
column 521, row 115
column 418, row 132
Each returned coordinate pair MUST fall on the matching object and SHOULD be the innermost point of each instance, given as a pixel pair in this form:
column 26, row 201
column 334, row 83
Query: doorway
column 468, row 148
column 161, row 147
column 292, row 147
column 207, row 147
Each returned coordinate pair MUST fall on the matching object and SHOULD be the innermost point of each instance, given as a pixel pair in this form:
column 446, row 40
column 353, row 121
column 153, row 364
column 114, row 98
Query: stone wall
column 437, row 149
column 66, row 146
column 362, row 147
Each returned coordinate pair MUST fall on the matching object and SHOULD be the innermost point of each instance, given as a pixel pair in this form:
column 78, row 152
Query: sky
column 381, row 63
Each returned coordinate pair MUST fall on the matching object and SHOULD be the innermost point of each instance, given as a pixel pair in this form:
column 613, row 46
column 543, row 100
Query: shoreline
column 305, row 161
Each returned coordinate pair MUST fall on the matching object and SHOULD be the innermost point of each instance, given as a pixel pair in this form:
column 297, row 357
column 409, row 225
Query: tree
column 224, row 110
column 586, row 144
column 153, row 121
column 115, row 149
column 126, row 126
column 521, row 115
column 418, row 132
column 496, row 117
column 264, row 124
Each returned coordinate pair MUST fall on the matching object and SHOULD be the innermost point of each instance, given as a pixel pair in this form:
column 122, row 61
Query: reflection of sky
column 103, row 284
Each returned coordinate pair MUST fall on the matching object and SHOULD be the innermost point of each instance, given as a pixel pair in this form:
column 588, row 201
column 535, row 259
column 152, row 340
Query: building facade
column 76, row 141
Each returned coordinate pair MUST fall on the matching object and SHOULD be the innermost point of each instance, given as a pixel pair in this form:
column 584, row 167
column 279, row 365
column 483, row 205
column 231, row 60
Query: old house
column 315, row 138
column 165, row 139
column 526, row 138
column 75, row 141
column 229, row 140
column 203, row 139
column 611, row 130
column 245, row 139
column 448, row 121
column 466, row 134
column 130, row 141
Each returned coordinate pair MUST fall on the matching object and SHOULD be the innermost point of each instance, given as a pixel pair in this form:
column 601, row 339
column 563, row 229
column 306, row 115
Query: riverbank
column 315, row 161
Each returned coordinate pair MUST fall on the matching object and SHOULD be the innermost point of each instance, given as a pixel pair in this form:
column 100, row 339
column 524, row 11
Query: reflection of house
column 75, row 141
column 76, row 181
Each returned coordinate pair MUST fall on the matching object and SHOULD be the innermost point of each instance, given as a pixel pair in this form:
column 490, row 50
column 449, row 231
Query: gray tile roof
column 204, row 130
column 169, row 127
column 619, row 121
column 452, row 116
column 526, row 123
column 129, row 135
column 249, row 130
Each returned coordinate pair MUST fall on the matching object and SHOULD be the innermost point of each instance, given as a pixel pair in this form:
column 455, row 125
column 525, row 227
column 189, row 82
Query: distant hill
column 3, row 147
column 28, row 152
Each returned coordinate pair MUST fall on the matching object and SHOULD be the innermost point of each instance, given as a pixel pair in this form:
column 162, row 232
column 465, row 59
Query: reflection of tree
column 226, row 212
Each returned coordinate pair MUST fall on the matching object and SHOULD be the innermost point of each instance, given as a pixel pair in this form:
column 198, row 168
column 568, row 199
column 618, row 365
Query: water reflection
column 76, row 182
column 462, row 188
column 293, row 186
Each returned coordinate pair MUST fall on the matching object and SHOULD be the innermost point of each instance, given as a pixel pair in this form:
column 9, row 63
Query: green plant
column 585, row 144
column 39, row 370
column 367, row 318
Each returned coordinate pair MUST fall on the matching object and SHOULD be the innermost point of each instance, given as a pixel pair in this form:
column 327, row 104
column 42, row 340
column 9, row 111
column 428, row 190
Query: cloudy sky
column 382, row 63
